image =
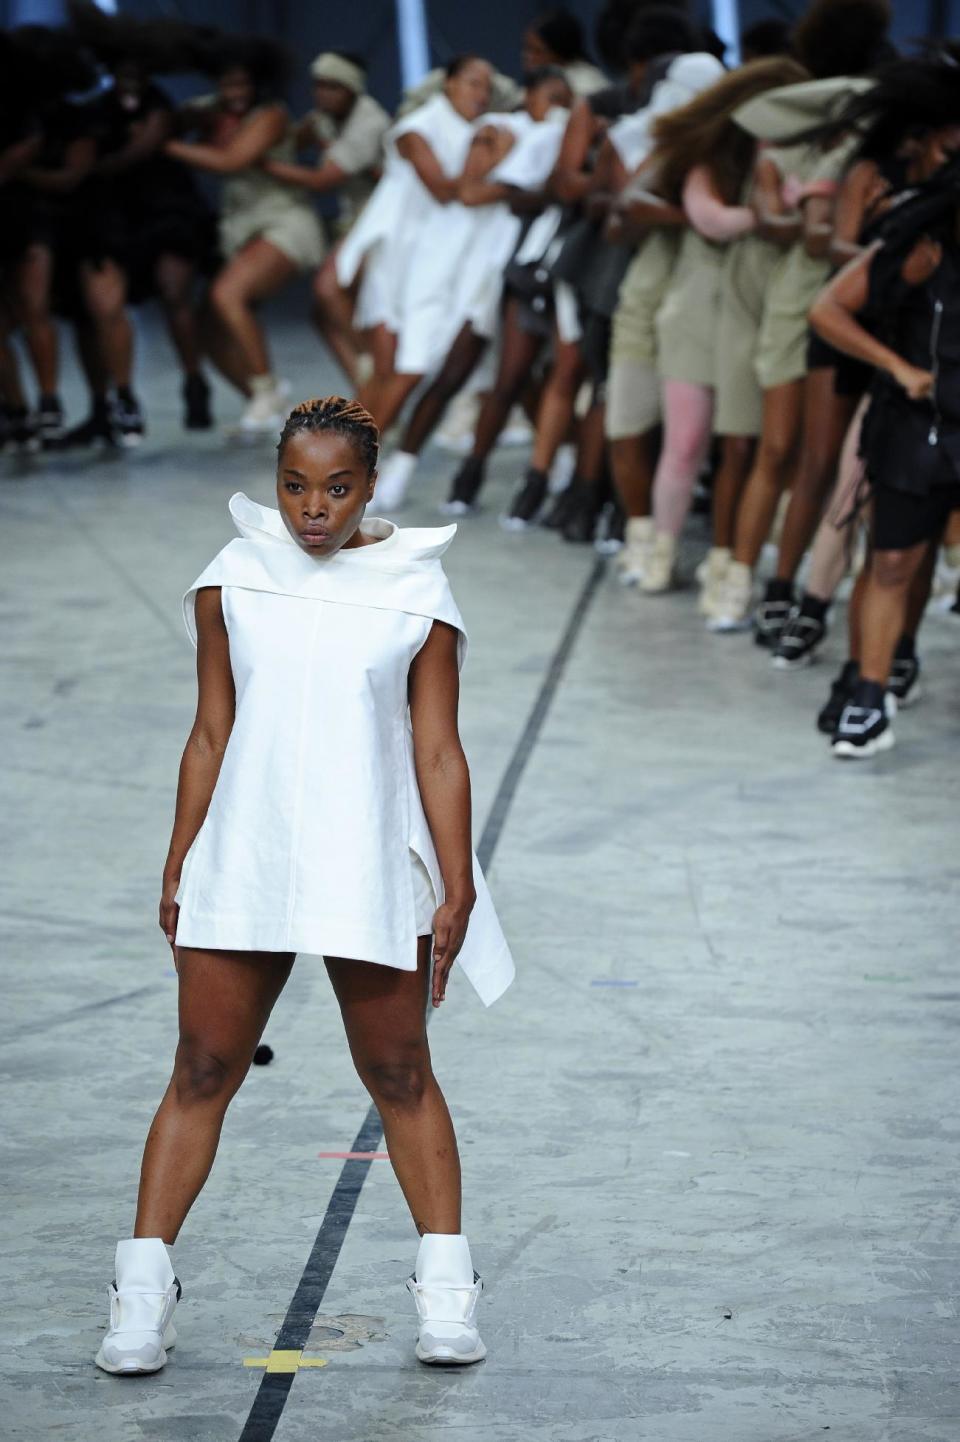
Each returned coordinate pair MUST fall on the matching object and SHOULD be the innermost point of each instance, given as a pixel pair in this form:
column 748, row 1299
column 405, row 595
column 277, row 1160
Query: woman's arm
column 417, row 151
column 145, row 141
column 205, row 746
column 774, row 221
column 254, row 138
column 444, row 782
column 318, row 178
column 708, row 212
column 78, row 162
column 570, row 181
column 834, row 316
column 638, row 211
column 860, row 189
column 16, row 157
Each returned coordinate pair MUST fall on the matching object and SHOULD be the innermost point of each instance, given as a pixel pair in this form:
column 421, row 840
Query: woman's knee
column 397, row 1080
column 893, row 570
column 201, row 1076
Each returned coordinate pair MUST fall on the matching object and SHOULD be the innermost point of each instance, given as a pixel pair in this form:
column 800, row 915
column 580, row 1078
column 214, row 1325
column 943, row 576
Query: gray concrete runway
column 709, row 1138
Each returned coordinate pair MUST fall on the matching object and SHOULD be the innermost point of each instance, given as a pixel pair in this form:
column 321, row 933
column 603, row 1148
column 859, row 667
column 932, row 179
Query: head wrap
column 339, row 70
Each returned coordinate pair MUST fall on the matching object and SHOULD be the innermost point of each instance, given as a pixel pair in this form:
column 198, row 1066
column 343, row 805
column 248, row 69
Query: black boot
column 581, row 522
column 527, row 501
column 465, row 488
column 563, row 505
column 196, row 403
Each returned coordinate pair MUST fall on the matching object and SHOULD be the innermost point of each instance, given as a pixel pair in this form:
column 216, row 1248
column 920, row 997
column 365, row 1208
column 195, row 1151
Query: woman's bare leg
column 776, row 452
column 333, row 317
column 384, row 1013
column 830, row 553
column 736, row 459
column 34, row 280
column 105, row 293
column 218, row 345
column 826, row 419
column 225, row 1001
column 175, row 278
column 256, row 271
column 462, row 360
column 518, row 351
column 557, row 403
column 632, row 468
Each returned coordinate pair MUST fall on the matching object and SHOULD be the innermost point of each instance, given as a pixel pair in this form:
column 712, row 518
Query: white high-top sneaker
column 710, row 576
column 267, row 408
column 142, row 1296
column 659, row 572
column 730, row 604
column 392, row 481
column 633, row 556
column 446, row 1290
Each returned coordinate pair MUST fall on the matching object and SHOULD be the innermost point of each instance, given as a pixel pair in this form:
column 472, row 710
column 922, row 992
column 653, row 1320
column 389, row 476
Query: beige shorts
column 296, row 231
column 633, row 399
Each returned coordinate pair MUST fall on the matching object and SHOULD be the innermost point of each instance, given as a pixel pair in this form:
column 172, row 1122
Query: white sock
column 400, row 467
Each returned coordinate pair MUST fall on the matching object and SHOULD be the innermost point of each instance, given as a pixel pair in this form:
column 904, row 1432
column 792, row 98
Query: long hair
column 703, row 131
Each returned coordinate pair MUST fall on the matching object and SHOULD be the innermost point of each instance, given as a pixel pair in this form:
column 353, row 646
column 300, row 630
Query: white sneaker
column 393, row 481
column 632, row 558
column 730, row 608
column 142, row 1297
column 659, row 572
column 267, row 409
column 517, row 431
column 710, row 576
column 446, row 1290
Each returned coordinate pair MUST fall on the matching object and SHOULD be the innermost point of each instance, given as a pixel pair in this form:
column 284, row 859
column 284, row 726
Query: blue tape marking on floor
column 274, row 1387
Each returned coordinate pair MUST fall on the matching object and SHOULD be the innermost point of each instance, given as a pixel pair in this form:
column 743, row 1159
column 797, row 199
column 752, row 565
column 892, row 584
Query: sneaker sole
column 722, row 626
column 446, row 1357
column 846, row 750
column 785, row 663
column 913, row 695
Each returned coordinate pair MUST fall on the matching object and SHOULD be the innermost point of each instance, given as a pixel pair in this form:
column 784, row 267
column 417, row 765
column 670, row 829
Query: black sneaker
column 904, row 684
column 527, row 501
column 197, row 415
column 466, row 486
column 127, row 419
column 840, row 693
column 798, row 642
column 611, row 525
column 49, row 422
column 20, row 434
column 770, row 620
column 97, row 430
column 581, row 523
column 864, row 726
column 562, row 507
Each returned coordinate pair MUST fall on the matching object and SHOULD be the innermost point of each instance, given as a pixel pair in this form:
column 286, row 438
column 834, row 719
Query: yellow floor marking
column 284, row 1361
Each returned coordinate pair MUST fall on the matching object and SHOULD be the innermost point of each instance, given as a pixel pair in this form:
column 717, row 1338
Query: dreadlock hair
column 340, row 417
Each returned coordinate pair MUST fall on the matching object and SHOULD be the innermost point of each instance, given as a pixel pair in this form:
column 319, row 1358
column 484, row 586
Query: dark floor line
column 271, row 1397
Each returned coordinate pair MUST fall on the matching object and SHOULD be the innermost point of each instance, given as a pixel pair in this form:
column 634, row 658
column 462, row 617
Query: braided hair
column 342, row 418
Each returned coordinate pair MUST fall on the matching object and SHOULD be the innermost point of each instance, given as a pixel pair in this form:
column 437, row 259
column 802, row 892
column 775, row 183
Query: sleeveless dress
column 254, row 204
column 316, row 839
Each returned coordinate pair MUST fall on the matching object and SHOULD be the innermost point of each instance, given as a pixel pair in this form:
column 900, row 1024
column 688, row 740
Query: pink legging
column 830, row 553
column 687, row 417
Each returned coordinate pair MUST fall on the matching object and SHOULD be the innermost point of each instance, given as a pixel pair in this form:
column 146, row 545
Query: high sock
column 812, row 606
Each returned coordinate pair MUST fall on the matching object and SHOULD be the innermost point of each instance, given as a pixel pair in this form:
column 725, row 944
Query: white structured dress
column 316, row 840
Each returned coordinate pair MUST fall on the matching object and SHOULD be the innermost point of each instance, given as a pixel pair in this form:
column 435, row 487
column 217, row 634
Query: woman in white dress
column 324, row 808
column 425, row 154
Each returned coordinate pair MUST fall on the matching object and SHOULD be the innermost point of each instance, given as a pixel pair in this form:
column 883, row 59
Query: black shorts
column 850, row 377
column 902, row 519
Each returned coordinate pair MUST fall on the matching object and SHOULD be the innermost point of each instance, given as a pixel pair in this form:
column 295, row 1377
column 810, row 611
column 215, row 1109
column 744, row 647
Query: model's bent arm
column 203, row 753
column 444, row 782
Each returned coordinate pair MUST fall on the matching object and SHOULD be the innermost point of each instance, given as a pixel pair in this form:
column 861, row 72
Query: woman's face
column 323, row 488
column 236, row 90
column 933, row 150
column 548, row 95
column 469, row 90
column 534, row 53
column 332, row 98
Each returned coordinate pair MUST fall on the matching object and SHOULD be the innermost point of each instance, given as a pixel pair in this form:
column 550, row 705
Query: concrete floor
column 709, row 1138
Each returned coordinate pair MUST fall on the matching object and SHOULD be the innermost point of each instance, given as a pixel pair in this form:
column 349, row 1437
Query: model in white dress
column 323, row 807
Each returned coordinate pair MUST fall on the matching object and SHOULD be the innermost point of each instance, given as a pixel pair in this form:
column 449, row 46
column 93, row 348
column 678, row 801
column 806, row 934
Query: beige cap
column 340, row 70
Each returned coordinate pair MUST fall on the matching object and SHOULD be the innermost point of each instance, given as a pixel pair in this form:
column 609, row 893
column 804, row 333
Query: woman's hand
column 917, row 383
column 169, row 911
column 449, row 929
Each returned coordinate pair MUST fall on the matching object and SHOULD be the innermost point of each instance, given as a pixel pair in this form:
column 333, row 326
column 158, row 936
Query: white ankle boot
column 659, row 573
column 633, row 556
column 142, row 1300
column 710, row 575
column 446, row 1290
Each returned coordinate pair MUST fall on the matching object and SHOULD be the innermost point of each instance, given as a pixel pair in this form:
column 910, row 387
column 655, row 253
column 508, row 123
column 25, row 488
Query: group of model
column 664, row 269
